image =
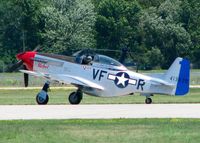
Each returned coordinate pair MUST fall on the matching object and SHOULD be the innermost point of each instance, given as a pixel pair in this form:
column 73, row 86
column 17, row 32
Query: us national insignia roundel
column 122, row 79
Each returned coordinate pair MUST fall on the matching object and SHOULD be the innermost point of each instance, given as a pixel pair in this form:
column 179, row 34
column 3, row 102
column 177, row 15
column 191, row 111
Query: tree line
column 155, row 31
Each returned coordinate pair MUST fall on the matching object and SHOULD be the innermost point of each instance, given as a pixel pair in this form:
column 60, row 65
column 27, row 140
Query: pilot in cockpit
column 87, row 60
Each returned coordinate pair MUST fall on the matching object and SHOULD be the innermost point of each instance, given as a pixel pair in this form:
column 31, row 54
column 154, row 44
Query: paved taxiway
column 13, row 112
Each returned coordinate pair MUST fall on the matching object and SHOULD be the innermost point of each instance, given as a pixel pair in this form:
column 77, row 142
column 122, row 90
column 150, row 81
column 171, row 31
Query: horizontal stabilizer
column 162, row 82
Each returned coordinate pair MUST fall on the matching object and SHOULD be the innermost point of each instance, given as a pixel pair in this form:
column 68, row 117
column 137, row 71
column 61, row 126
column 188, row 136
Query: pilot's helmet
column 89, row 58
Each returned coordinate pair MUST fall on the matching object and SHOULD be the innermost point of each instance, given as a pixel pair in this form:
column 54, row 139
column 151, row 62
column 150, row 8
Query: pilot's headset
column 88, row 59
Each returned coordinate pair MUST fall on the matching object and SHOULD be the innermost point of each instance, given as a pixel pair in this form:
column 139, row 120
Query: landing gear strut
column 75, row 97
column 42, row 97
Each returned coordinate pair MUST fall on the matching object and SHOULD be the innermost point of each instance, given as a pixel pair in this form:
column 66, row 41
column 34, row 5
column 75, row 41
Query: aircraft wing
column 64, row 78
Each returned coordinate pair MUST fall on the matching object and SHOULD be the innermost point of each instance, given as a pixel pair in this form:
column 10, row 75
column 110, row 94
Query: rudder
column 182, row 87
column 179, row 75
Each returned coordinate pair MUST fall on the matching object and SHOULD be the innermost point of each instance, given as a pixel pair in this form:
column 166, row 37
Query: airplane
column 101, row 76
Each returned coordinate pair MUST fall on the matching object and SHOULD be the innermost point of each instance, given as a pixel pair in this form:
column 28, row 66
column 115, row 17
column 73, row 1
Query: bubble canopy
column 102, row 59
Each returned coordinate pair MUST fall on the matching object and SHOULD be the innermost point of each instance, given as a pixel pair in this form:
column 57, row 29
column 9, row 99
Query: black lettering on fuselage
column 96, row 73
column 141, row 83
column 101, row 74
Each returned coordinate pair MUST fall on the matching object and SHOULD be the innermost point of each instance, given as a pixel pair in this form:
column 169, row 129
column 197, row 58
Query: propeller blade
column 37, row 48
column 26, row 77
column 123, row 55
column 15, row 66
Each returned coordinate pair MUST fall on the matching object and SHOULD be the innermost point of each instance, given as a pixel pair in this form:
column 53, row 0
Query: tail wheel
column 75, row 97
column 148, row 100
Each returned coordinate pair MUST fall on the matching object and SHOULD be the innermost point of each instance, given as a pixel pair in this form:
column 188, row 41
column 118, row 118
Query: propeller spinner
column 25, row 59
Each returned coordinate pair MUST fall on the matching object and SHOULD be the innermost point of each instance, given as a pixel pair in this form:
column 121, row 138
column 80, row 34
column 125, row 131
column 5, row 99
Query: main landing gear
column 75, row 97
column 42, row 97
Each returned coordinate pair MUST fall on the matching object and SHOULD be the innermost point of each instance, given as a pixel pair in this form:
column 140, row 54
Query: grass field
column 101, row 131
column 11, row 97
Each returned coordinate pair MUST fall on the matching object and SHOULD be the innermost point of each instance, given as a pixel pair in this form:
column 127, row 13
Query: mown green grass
column 16, row 79
column 101, row 131
column 15, row 97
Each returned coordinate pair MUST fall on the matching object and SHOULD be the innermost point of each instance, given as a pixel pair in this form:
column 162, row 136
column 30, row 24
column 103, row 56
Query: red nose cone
column 20, row 55
column 27, row 58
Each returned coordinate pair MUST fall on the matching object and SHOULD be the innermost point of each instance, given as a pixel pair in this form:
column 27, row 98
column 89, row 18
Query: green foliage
column 117, row 23
column 20, row 26
column 68, row 25
column 125, row 23
column 150, row 3
column 163, row 29
column 57, row 25
column 191, row 19
column 196, row 57
column 154, row 58
column 157, row 31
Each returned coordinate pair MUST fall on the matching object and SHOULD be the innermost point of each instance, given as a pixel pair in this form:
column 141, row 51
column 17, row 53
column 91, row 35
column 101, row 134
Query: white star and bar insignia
column 122, row 79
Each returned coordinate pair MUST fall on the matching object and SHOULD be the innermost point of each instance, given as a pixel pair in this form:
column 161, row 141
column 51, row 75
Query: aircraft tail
column 179, row 75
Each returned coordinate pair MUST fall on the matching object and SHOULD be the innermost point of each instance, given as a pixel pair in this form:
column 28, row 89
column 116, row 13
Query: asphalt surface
column 105, row 111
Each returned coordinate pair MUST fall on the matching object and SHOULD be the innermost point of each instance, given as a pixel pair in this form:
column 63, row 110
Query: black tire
column 75, row 97
column 42, row 101
column 148, row 100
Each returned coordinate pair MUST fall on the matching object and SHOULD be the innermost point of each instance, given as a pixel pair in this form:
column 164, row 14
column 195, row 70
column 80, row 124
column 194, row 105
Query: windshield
column 106, row 60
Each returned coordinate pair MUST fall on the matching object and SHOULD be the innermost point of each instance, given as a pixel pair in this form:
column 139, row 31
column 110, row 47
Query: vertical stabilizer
column 179, row 75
